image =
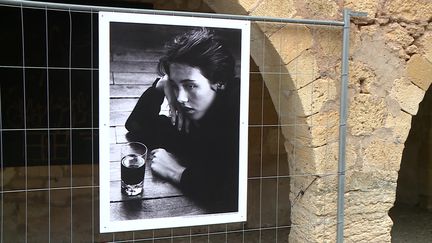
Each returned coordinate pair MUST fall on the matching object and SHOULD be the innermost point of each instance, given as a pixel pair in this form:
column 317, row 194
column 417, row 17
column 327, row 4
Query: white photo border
column 106, row 225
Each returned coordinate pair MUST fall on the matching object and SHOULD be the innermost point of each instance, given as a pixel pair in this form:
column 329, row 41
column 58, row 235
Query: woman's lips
column 188, row 109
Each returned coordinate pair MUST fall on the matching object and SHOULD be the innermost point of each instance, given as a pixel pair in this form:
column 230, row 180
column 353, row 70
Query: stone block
column 358, row 180
column 183, row 5
column 366, row 114
column 262, row 50
column 318, row 9
column 327, row 157
column 407, row 95
column 328, row 47
column 416, row 29
column 82, row 170
column 302, row 161
column 290, row 41
column 363, row 228
column 9, row 209
column 409, row 10
column 275, row 8
column 313, row 131
column 269, row 29
column 258, row 39
column 419, row 71
column 36, row 183
column 323, row 127
column 400, row 125
column 291, row 108
column 412, row 49
column 8, row 175
column 237, row 7
column 14, row 178
column 398, row 37
column 362, row 78
column 303, row 69
column 367, row 215
column 314, row 96
column 370, row 7
column 58, row 171
column 382, row 154
column 372, row 50
column 425, row 44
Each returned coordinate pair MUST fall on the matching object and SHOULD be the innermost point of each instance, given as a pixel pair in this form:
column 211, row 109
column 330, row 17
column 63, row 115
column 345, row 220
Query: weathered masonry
column 293, row 137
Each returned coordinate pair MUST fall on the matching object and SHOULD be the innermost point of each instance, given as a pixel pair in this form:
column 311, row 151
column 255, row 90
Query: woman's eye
column 190, row 86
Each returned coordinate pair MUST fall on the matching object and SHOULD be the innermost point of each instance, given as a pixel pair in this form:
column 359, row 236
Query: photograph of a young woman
column 195, row 147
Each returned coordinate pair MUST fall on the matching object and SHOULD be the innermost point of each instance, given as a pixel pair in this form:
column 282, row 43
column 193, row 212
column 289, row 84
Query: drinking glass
column 133, row 157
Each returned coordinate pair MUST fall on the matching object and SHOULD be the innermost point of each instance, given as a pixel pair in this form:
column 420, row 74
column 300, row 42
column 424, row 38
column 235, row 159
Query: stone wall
column 390, row 70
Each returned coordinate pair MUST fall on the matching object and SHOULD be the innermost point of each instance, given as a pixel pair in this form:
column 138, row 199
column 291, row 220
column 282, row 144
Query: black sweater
column 210, row 151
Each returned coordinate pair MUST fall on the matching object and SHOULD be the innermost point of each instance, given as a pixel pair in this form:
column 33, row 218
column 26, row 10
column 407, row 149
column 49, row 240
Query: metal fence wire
column 49, row 180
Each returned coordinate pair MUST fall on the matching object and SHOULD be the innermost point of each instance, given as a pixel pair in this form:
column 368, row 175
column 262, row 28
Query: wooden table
column 159, row 198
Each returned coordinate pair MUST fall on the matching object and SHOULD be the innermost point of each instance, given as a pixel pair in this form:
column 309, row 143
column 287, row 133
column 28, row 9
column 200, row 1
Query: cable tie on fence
column 302, row 192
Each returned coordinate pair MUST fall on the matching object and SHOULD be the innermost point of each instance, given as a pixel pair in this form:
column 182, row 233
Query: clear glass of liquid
column 133, row 157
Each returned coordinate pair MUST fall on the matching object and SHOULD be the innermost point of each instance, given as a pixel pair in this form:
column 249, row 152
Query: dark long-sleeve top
column 210, row 151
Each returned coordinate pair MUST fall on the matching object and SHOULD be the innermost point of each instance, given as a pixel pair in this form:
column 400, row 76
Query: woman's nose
column 182, row 96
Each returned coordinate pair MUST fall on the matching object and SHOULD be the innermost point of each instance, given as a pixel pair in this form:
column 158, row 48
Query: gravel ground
column 411, row 224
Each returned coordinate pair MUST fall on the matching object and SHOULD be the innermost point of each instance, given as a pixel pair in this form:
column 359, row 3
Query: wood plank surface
column 154, row 208
column 142, row 78
column 119, row 118
column 115, row 152
column 112, row 134
column 136, row 54
column 152, row 190
column 127, row 91
column 133, row 66
column 120, row 134
column 126, row 104
column 111, row 76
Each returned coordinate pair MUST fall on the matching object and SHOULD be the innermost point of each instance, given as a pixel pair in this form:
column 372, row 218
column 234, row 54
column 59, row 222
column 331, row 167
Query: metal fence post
column 343, row 122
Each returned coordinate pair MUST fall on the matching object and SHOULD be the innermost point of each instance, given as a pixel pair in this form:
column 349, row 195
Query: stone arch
column 309, row 107
column 303, row 91
column 415, row 176
column 302, row 98
column 387, row 82
column 414, row 183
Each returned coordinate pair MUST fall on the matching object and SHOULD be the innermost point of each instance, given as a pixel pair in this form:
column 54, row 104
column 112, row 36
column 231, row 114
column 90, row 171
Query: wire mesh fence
column 49, row 180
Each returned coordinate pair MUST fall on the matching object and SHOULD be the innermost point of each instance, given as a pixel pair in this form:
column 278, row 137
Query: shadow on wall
column 412, row 212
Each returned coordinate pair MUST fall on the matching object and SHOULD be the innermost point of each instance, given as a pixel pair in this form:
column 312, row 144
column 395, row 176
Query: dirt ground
column 411, row 224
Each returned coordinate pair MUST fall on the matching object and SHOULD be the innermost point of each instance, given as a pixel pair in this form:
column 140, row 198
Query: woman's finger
column 172, row 115
column 179, row 121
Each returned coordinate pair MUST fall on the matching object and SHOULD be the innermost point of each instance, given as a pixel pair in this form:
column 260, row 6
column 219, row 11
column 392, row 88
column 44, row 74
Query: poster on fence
column 173, row 120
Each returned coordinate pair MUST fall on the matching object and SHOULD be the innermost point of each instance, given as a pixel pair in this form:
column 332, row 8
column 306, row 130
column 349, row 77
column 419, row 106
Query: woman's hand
column 166, row 165
column 177, row 116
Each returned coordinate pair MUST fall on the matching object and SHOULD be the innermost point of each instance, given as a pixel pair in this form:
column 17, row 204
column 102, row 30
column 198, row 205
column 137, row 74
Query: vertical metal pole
column 342, row 128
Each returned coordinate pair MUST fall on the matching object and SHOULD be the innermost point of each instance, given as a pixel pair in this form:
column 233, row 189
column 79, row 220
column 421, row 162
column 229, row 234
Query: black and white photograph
column 173, row 113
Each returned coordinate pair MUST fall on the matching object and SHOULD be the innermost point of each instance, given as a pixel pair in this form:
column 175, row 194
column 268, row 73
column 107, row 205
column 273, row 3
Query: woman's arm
column 145, row 124
column 166, row 165
column 146, row 111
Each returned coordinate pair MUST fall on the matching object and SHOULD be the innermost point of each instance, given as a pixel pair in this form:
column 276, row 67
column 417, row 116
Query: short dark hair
column 202, row 49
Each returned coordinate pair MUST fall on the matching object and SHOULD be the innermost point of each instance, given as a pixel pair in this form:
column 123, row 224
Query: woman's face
column 193, row 91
